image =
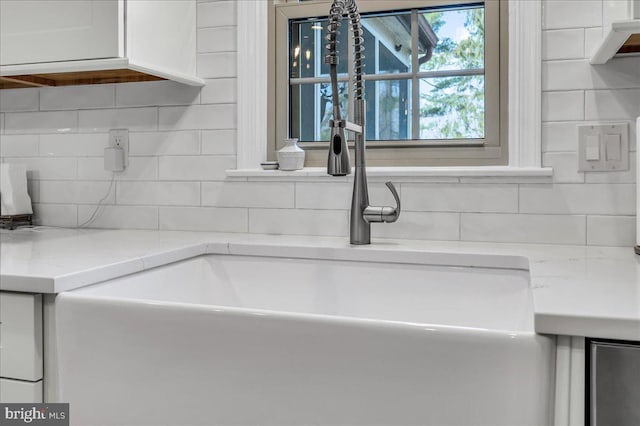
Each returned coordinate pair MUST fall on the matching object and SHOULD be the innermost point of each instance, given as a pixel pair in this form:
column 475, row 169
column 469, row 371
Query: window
column 435, row 79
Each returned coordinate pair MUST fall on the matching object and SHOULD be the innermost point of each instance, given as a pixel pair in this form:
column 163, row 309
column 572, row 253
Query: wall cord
column 99, row 207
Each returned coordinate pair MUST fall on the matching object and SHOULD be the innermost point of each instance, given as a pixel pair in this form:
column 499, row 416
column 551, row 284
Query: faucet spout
column 338, row 163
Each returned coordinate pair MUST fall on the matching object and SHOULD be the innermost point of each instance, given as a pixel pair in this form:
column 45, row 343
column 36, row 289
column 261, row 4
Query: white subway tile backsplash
column 77, row 97
column 73, row 145
column 592, row 39
column 420, row 226
column 195, row 167
column 619, row 199
column 63, row 215
column 152, row 93
column 259, row 194
column 48, row 168
column 33, row 189
column 612, row 104
column 299, row 222
column 560, row 136
column 621, row 73
column 523, row 228
column 41, row 122
column 216, row 65
column 15, row 100
column 324, row 196
column 562, row 106
column 571, row 13
column 120, row 217
column 19, row 145
column 134, row 119
column 76, row 192
column 216, row 14
column 611, row 230
column 220, row 91
column 183, row 139
column 159, row 193
column 222, row 116
column 563, row 44
column 565, row 166
column 203, row 219
column 139, row 168
column 624, row 176
column 337, row 195
column 165, row 143
column 217, row 39
column 219, row 142
column 460, row 198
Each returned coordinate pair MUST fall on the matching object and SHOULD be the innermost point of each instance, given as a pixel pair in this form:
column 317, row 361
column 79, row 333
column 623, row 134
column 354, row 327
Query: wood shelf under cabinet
column 75, row 78
column 95, row 71
column 632, row 45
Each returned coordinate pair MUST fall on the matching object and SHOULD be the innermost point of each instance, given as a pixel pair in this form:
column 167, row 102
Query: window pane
column 311, row 110
column 452, row 107
column 387, row 40
column 460, row 36
column 308, row 40
column 388, row 109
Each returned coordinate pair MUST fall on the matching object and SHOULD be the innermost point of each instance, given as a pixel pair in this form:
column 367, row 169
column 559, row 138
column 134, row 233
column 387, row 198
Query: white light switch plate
column 603, row 147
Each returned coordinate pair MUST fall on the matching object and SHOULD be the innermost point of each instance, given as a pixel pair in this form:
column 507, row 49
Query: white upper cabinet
column 63, row 42
column 621, row 30
column 58, row 30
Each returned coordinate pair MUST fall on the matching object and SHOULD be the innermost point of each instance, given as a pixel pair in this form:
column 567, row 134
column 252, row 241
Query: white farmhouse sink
column 241, row 340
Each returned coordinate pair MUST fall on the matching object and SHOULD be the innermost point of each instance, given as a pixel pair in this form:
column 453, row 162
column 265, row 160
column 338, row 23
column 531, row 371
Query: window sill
column 515, row 174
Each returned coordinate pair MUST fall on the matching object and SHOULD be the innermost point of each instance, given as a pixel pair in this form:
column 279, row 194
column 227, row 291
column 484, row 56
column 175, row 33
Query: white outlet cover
column 120, row 138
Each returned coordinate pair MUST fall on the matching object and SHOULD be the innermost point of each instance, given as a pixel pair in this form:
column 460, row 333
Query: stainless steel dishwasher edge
column 613, row 395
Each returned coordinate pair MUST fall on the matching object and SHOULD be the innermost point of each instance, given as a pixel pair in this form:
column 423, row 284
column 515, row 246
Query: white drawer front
column 16, row 391
column 21, row 336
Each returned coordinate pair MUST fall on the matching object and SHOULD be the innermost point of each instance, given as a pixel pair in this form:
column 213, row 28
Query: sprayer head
column 338, row 163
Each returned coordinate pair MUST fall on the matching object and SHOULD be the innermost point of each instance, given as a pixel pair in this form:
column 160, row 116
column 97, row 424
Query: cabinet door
column 34, row 31
column 20, row 335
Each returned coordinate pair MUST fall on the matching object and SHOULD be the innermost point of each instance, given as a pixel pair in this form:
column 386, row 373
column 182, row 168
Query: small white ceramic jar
column 291, row 156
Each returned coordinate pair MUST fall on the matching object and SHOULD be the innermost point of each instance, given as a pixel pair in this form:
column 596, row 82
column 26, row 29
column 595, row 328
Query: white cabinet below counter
column 21, row 347
column 18, row 391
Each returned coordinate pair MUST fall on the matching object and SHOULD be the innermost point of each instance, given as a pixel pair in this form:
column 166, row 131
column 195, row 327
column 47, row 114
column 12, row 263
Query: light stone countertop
column 578, row 290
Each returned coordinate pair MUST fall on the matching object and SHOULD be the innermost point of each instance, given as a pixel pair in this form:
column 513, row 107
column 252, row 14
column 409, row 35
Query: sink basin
column 246, row 340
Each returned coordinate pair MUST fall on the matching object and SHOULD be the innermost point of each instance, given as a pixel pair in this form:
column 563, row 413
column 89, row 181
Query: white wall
column 183, row 139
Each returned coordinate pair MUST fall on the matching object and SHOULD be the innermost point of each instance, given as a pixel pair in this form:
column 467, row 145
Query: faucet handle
column 395, row 213
column 386, row 214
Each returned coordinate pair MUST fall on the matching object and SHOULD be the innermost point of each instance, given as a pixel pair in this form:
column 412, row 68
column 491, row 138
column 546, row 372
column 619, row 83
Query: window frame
column 255, row 118
column 493, row 150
